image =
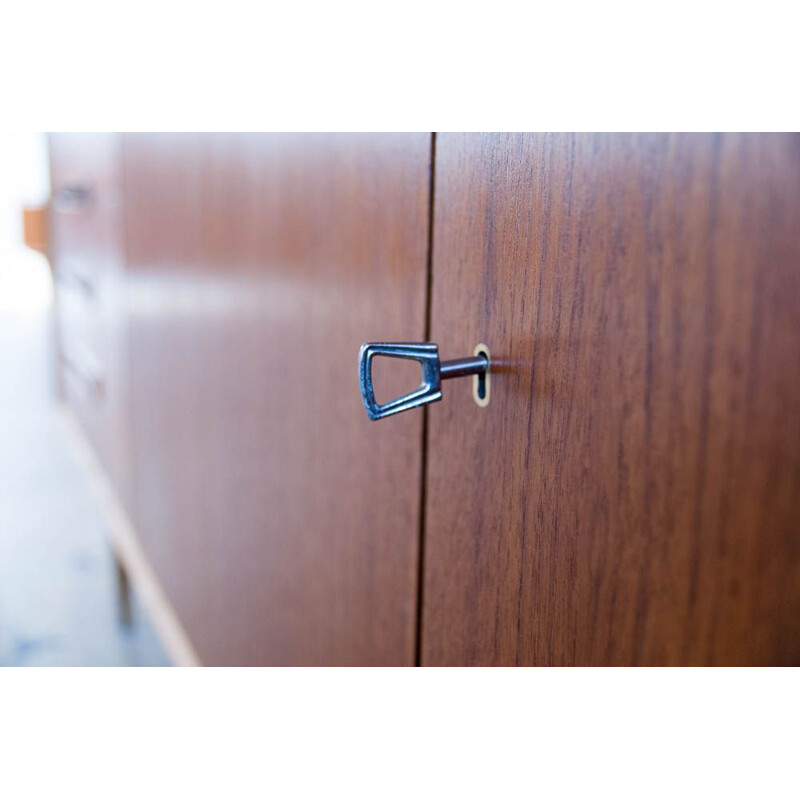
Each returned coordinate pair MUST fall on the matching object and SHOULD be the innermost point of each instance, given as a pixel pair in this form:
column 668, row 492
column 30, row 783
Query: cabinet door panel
column 630, row 494
column 281, row 522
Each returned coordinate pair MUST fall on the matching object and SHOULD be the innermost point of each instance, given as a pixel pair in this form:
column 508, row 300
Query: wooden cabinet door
column 631, row 494
column 282, row 524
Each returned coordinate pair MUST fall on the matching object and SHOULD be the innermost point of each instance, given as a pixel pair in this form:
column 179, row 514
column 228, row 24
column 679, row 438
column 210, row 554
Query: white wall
column 25, row 284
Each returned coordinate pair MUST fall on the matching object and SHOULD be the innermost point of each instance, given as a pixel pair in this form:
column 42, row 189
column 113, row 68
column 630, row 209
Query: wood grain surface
column 631, row 495
column 282, row 523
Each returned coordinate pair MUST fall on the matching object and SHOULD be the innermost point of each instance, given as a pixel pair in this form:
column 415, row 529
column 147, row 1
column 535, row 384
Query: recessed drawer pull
column 77, row 277
column 71, row 199
column 434, row 372
column 85, row 370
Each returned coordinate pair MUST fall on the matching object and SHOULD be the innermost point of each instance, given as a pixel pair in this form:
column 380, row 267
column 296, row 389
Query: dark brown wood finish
column 282, row 523
column 632, row 493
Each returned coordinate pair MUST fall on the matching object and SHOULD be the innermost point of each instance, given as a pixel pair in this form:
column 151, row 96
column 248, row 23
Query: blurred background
column 60, row 602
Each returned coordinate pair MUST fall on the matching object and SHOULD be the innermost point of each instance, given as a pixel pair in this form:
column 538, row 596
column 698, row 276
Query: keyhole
column 481, row 382
column 481, row 386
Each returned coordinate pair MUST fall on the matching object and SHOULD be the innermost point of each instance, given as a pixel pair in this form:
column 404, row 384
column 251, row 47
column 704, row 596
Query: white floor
column 58, row 599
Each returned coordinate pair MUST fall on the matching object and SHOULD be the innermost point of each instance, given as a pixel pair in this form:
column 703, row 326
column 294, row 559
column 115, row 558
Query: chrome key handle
column 429, row 391
column 434, row 372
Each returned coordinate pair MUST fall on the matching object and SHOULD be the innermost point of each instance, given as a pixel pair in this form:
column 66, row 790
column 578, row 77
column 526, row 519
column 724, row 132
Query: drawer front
column 88, row 268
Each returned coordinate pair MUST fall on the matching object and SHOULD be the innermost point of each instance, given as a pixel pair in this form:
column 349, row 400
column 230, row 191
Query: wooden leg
column 124, row 608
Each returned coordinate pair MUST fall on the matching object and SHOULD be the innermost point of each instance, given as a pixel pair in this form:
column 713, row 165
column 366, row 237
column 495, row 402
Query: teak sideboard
column 629, row 495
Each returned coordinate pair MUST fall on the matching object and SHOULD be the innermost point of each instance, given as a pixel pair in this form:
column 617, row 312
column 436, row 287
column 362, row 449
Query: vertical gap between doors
column 424, row 462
